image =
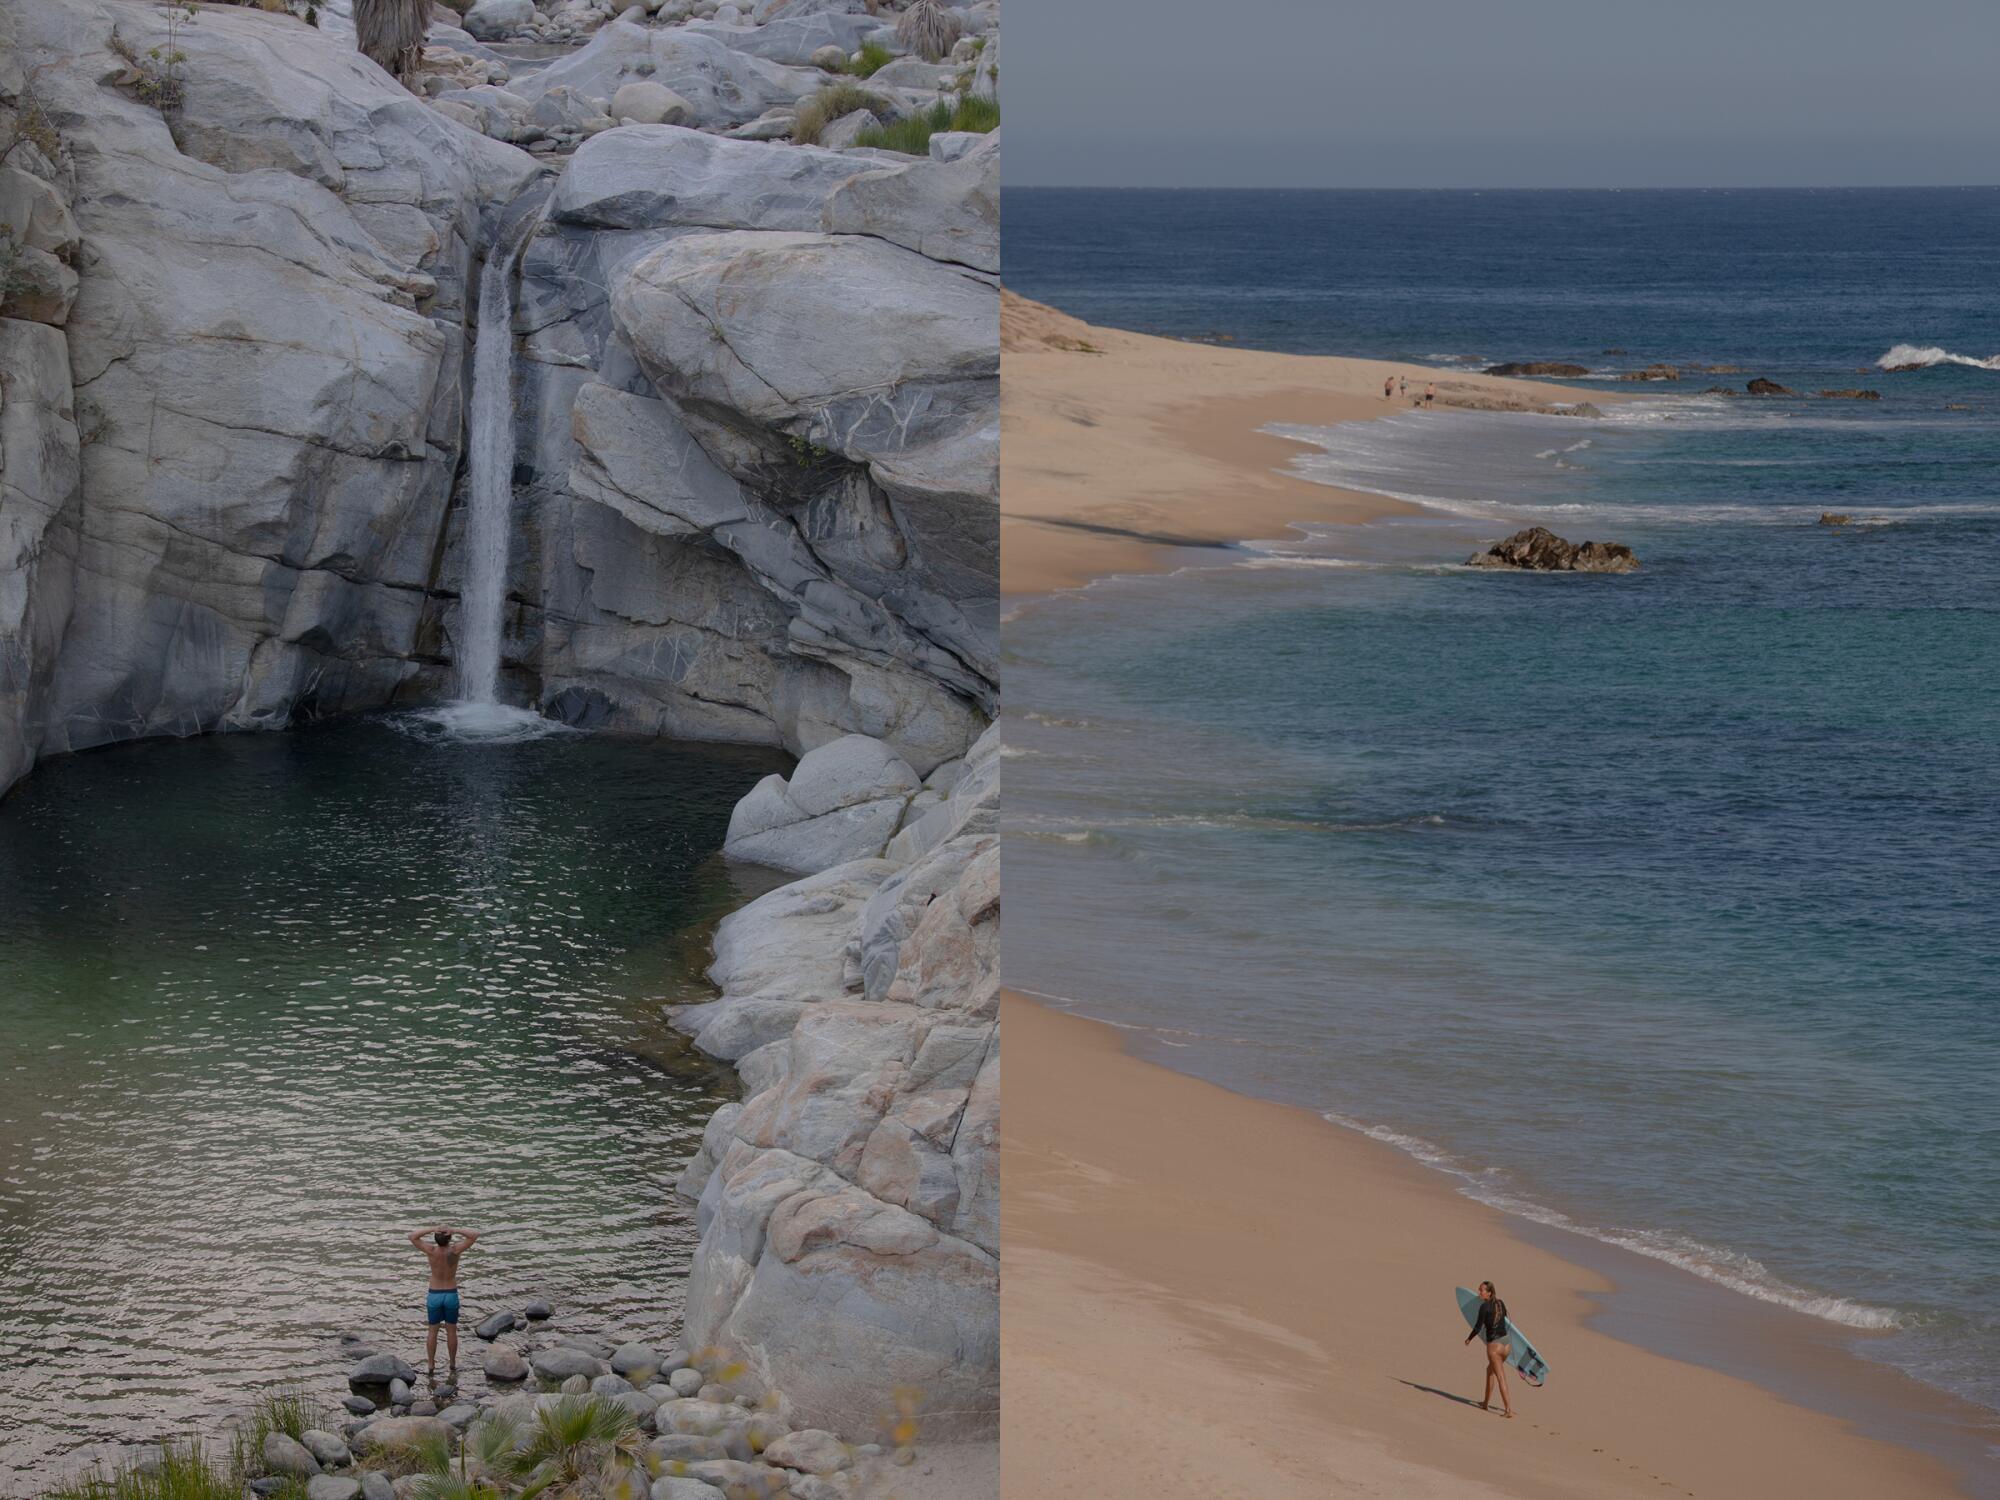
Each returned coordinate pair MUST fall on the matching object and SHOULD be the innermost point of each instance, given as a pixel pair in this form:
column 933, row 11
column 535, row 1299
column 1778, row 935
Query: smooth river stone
column 504, row 1362
column 380, row 1369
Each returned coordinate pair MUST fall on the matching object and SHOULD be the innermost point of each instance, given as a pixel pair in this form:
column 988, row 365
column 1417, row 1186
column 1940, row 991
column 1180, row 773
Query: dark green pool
column 268, row 1002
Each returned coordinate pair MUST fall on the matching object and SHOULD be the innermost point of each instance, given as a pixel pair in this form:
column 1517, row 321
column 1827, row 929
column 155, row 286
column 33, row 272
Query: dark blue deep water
column 1662, row 907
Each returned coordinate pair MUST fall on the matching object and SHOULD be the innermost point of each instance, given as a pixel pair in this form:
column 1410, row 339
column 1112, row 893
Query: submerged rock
column 1762, row 387
column 1553, row 367
column 1652, row 372
column 1540, row 550
column 1850, row 394
column 1835, row 518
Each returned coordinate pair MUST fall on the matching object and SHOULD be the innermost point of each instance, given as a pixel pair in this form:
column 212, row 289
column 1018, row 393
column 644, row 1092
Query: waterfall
column 482, row 598
column 477, row 713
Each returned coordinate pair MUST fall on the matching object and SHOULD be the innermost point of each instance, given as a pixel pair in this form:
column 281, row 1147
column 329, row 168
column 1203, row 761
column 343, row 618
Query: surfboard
column 1522, row 1354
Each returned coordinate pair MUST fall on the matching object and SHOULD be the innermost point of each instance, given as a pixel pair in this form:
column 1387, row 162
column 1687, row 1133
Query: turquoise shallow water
column 269, row 1002
column 1659, row 907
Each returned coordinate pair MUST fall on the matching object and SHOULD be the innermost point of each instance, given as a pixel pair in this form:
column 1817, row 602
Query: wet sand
column 1207, row 1294
column 1118, row 447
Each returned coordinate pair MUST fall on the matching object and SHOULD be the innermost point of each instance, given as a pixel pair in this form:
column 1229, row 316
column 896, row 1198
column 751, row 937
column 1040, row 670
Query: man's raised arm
column 469, row 1236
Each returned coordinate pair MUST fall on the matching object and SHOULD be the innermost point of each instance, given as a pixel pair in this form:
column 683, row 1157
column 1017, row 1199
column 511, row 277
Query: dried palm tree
column 391, row 32
column 928, row 30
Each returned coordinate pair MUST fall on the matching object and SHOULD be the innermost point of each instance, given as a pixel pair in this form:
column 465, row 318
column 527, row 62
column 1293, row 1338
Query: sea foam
column 1930, row 354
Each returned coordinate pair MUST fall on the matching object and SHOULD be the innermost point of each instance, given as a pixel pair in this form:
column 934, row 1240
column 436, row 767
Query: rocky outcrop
column 238, row 358
column 1548, row 367
column 1653, row 372
column 850, row 1205
column 1763, row 387
column 1540, row 550
column 227, row 477
column 845, row 802
column 730, row 373
column 1850, row 394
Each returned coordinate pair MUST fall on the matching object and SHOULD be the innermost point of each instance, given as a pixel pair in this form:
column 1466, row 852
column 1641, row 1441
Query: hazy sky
column 1501, row 93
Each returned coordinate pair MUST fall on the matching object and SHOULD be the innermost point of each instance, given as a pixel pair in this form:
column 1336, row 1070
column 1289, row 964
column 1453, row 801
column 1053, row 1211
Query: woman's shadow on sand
column 1431, row 1390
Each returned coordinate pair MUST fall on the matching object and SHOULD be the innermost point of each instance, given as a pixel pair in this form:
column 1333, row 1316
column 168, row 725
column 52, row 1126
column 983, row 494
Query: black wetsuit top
column 1491, row 1324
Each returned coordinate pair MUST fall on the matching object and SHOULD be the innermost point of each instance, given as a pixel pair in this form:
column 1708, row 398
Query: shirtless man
column 442, row 1248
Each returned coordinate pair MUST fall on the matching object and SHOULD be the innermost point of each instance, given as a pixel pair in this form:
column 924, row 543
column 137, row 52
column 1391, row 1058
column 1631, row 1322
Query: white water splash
column 1930, row 354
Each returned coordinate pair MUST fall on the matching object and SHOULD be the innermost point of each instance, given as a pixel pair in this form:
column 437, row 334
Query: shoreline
column 1117, row 449
column 1125, row 461
column 1319, row 1344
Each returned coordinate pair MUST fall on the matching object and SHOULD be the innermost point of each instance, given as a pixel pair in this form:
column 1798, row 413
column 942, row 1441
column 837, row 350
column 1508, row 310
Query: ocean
column 1660, row 908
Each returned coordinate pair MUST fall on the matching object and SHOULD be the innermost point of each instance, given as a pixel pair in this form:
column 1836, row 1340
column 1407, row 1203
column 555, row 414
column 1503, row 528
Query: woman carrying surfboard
column 1490, row 1325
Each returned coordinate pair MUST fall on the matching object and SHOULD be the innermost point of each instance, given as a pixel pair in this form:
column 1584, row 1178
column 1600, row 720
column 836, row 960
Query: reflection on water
column 267, row 1003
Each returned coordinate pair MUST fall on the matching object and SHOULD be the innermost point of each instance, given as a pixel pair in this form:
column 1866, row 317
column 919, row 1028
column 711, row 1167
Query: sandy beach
column 1117, row 446
column 1206, row 1294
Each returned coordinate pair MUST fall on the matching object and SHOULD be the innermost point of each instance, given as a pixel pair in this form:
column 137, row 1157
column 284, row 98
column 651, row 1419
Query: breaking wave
column 1930, row 354
column 1727, row 1268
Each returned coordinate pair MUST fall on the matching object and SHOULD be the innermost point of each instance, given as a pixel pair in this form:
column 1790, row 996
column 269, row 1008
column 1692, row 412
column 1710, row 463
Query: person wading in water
column 1491, row 1326
column 442, row 1247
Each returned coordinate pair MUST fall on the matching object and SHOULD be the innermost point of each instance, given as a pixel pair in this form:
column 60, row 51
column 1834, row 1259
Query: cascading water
column 489, row 484
column 477, row 712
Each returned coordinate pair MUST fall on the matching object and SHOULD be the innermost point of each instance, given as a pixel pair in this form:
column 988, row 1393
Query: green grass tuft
column 828, row 105
column 913, row 136
column 874, row 57
column 184, row 1471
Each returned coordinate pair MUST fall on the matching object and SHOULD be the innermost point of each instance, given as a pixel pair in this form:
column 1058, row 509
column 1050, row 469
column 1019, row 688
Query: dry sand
column 1206, row 1295
column 1117, row 446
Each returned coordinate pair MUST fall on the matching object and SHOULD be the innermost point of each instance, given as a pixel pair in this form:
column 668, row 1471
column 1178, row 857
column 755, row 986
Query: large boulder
column 643, row 102
column 789, row 943
column 497, row 20
column 658, row 177
column 380, row 1370
column 793, row 39
column 1540, row 550
column 560, row 1363
column 288, row 1456
column 945, row 210
column 721, row 85
column 844, row 802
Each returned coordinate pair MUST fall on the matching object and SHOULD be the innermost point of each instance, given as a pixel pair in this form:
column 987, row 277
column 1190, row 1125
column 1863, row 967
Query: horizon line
column 1779, row 187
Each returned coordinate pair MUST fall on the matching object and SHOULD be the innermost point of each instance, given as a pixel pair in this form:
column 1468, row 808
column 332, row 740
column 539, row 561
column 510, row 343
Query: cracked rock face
column 713, row 377
column 263, row 364
column 241, row 510
column 849, row 1206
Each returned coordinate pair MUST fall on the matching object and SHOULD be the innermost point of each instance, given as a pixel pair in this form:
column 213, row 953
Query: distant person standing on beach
column 1491, row 1325
column 442, row 1247
column 1402, row 385
column 1388, row 385
column 1430, row 392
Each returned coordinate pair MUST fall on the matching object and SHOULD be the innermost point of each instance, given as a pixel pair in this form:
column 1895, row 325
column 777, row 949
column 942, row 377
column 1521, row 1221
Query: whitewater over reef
column 1903, row 356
